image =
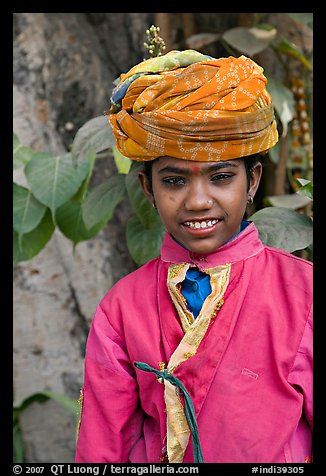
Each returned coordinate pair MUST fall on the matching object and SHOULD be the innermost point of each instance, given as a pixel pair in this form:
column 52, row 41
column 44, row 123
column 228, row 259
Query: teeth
column 200, row 224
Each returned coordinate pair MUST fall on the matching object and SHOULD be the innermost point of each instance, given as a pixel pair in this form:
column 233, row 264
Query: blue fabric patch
column 195, row 288
column 119, row 91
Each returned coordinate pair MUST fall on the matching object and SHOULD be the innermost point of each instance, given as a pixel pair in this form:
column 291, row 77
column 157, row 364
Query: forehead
column 171, row 164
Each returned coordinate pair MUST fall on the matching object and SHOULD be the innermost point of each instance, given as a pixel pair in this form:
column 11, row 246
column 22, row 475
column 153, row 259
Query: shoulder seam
column 288, row 254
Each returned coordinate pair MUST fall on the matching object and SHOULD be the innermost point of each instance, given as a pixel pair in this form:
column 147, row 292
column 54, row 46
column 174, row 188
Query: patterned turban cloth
column 191, row 106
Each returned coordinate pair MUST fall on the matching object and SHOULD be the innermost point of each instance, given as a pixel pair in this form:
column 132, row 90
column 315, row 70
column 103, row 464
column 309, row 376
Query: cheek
column 168, row 207
column 241, row 203
column 164, row 196
column 166, row 204
column 233, row 201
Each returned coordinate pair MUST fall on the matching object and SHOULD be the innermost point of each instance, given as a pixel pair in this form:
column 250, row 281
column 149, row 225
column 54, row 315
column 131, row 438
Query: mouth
column 200, row 227
column 195, row 225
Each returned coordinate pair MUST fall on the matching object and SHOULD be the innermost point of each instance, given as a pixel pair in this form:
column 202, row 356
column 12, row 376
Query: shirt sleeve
column 301, row 374
column 111, row 418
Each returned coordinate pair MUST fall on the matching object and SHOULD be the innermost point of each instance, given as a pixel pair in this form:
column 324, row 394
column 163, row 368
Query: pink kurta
column 250, row 381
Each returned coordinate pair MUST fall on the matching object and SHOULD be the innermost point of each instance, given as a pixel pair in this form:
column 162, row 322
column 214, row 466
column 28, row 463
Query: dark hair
column 148, row 170
column 250, row 162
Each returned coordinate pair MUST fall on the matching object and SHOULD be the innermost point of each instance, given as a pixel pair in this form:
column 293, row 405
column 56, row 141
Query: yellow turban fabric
column 191, row 106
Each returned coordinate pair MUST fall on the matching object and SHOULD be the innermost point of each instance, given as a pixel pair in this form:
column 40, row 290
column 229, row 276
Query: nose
column 198, row 196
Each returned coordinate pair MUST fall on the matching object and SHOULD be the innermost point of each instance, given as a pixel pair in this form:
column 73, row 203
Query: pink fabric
column 251, row 380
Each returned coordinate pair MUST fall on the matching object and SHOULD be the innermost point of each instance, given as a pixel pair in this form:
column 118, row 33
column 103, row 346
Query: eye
column 221, row 176
column 173, row 181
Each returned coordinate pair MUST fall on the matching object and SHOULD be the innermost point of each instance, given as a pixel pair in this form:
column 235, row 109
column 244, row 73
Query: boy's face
column 200, row 203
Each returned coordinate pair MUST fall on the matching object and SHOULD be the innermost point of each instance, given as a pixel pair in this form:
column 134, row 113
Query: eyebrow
column 188, row 171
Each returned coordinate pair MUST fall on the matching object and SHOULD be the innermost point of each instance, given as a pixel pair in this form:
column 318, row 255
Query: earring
column 250, row 200
column 154, row 205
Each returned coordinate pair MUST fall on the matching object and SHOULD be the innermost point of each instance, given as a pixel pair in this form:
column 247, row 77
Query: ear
column 146, row 186
column 255, row 179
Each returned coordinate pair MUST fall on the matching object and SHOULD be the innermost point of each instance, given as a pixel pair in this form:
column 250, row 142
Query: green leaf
column 83, row 189
column 249, row 41
column 21, row 154
column 41, row 397
column 274, row 153
column 102, row 200
column 27, row 211
column 123, row 163
column 305, row 18
column 290, row 49
column 143, row 243
column 283, row 101
column 306, row 188
column 283, row 228
column 54, row 180
column 21, row 406
column 18, row 445
column 140, row 204
column 70, row 222
column 70, row 404
column 95, row 135
column 28, row 245
column 292, row 200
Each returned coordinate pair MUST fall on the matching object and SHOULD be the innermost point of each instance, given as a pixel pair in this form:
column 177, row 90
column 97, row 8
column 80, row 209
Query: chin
column 204, row 248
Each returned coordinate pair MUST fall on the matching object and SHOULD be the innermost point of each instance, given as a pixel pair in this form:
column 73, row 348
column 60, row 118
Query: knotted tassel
column 189, row 407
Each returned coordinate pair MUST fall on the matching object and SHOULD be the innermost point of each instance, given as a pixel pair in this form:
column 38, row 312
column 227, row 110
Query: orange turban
column 190, row 106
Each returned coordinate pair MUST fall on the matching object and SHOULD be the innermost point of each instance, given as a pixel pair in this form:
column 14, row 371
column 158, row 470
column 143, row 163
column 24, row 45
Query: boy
column 204, row 354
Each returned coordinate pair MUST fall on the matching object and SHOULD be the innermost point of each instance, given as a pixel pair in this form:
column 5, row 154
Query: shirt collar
column 242, row 246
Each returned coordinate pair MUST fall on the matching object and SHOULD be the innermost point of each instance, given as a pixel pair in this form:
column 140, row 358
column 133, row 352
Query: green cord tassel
column 189, row 407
